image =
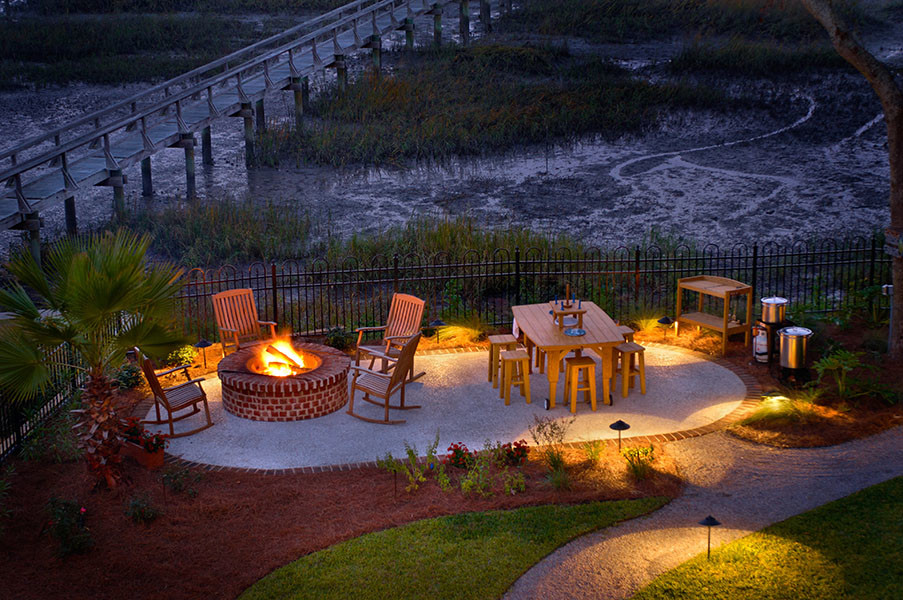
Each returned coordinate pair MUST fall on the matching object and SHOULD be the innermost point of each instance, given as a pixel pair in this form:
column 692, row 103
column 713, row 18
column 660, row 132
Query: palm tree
column 99, row 296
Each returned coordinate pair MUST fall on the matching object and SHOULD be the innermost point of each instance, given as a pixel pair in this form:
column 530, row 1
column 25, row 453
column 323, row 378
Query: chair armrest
column 197, row 380
column 229, row 330
column 370, row 371
column 389, row 338
column 273, row 323
column 379, row 328
column 172, row 370
column 382, row 355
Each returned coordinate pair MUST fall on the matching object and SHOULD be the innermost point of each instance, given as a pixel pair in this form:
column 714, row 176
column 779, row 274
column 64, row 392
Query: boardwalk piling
column 116, row 181
column 409, row 34
column 260, row 116
column 249, row 132
column 147, row 183
column 299, row 102
column 187, row 142
column 437, row 25
column 464, row 21
column 33, row 226
column 206, row 146
column 485, row 16
column 341, row 73
column 376, row 44
column 305, row 94
column 71, row 220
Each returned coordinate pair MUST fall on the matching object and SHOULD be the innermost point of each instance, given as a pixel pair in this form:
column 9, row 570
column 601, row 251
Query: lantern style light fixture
column 619, row 426
column 202, row 345
column 710, row 522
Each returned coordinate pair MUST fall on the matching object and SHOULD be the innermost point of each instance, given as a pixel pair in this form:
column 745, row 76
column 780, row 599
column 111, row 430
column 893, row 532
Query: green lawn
column 850, row 548
column 472, row 555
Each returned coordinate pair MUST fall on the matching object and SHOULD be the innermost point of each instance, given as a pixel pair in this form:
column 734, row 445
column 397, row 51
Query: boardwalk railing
column 93, row 150
column 629, row 283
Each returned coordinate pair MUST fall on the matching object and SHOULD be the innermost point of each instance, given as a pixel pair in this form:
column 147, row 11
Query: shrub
column 549, row 435
column 339, row 339
column 839, row 363
column 478, row 478
column 559, row 479
column 128, row 376
column 514, row 483
column 140, row 509
column 67, row 526
column 512, row 455
column 639, row 461
column 181, row 479
column 53, row 440
column 413, row 469
column 183, row 356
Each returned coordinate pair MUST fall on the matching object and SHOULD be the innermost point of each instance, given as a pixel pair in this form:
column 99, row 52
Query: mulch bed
column 240, row 527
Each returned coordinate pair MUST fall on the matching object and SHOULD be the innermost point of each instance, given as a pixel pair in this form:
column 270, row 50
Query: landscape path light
column 665, row 322
column 619, row 426
column 202, row 345
column 710, row 522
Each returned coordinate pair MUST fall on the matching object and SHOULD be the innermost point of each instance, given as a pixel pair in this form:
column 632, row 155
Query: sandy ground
column 743, row 485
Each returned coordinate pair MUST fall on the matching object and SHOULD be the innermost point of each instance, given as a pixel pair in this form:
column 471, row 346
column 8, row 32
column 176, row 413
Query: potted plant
column 145, row 447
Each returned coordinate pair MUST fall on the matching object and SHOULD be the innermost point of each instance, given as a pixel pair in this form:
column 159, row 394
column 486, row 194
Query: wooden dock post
column 299, row 102
column 260, row 116
column 249, row 132
column 341, row 72
column 464, row 21
column 33, row 227
column 485, row 16
column 147, row 183
column 437, row 25
column 187, row 142
column 117, row 182
column 305, row 93
column 376, row 48
column 206, row 146
column 409, row 34
column 71, row 220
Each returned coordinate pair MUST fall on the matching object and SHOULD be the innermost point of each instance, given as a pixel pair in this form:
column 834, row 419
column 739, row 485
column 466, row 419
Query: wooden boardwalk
column 54, row 167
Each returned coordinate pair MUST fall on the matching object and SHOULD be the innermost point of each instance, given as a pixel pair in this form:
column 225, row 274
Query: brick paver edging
column 746, row 407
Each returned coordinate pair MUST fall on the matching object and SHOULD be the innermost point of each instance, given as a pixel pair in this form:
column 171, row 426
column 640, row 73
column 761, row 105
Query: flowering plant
column 459, row 456
column 135, row 432
column 515, row 454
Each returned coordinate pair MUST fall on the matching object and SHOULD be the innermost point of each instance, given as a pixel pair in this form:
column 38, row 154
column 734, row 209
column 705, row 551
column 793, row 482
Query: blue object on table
column 575, row 332
column 579, row 304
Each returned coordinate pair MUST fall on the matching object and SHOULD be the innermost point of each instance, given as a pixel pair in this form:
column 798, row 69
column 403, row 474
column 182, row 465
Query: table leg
column 605, row 353
column 554, row 358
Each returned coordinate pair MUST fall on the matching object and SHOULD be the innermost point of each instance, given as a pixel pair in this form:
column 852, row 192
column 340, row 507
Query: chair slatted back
column 147, row 366
column 405, row 362
column 236, row 309
column 405, row 314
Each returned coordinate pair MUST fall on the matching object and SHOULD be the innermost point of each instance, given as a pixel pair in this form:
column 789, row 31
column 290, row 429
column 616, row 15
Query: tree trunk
column 883, row 82
column 100, row 436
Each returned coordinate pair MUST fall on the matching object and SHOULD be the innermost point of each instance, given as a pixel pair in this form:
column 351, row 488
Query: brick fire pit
column 308, row 395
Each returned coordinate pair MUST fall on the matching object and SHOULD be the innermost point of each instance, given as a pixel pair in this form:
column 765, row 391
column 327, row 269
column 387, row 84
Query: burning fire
column 279, row 359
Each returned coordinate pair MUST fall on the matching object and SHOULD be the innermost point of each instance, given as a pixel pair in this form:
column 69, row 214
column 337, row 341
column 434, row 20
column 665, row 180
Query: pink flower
column 83, row 510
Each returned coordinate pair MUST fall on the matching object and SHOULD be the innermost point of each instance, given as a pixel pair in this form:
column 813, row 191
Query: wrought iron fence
column 628, row 283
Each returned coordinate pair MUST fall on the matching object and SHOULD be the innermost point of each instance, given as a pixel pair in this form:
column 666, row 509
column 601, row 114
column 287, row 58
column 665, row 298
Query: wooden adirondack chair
column 383, row 385
column 405, row 314
column 175, row 398
column 236, row 318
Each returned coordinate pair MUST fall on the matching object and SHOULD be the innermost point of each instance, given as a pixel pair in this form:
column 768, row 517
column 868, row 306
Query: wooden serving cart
column 716, row 287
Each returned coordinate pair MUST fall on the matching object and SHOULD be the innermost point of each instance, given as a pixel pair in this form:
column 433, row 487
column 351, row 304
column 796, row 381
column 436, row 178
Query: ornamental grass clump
column 639, row 461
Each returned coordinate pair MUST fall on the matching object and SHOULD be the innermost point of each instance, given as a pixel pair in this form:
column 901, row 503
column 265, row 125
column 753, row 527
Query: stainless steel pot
column 773, row 308
column 794, row 342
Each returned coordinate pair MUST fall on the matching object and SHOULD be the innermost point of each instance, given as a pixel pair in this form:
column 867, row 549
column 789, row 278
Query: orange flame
column 275, row 364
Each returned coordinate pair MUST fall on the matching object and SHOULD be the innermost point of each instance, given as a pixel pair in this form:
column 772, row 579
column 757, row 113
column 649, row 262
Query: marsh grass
column 116, row 48
column 758, row 59
column 467, row 101
column 636, row 20
column 218, row 231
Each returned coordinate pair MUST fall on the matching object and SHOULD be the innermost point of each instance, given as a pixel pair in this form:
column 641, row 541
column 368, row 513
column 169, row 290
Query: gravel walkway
column 745, row 486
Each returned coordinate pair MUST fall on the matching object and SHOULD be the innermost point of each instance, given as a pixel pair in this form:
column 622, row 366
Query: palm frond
column 16, row 300
column 24, row 372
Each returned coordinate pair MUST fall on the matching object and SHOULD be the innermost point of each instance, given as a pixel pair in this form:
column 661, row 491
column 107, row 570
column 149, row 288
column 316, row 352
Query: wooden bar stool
column 515, row 371
column 627, row 332
column 573, row 383
column 498, row 343
column 630, row 369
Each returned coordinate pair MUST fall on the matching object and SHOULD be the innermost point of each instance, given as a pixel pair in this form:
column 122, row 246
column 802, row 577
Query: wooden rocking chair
column 383, row 385
column 405, row 314
column 175, row 398
column 236, row 318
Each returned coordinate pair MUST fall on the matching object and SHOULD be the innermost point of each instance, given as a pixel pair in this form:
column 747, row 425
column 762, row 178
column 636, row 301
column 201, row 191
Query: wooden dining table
column 602, row 335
